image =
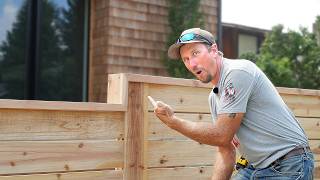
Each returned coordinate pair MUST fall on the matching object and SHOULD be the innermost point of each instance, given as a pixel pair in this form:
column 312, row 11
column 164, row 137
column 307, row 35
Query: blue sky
column 8, row 12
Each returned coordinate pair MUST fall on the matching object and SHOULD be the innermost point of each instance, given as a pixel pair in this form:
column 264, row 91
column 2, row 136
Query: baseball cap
column 190, row 36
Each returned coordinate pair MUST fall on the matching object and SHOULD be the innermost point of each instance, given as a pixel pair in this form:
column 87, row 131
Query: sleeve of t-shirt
column 236, row 90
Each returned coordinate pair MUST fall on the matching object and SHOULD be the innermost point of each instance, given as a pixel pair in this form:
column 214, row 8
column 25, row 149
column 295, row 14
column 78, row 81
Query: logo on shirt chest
column 229, row 93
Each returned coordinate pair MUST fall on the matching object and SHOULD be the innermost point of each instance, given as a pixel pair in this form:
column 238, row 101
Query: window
column 43, row 49
column 247, row 43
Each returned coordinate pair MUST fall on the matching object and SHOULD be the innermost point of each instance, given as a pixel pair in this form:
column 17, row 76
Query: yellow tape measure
column 241, row 163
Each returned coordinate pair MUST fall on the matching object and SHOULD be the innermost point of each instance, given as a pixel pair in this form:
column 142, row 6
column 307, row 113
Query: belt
column 296, row 151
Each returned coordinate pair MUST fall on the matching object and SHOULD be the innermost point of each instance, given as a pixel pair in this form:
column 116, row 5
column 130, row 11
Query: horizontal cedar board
column 138, row 16
column 315, row 148
column 153, row 2
column 180, row 173
column 125, row 61
column 311, row 126
column 86, row 175
column 59, row 105
column 303, row 105
column 60, row 125
column 137, row 34
column 136, row 43
column 317, row 170
column 158, row 130
column 134, row 52
column 181, row 98
column 189, row 99
column 134, row 69
column 137, row 25
column 179, row 153
column 139, row 7
column 196, row 173
column 53, row 156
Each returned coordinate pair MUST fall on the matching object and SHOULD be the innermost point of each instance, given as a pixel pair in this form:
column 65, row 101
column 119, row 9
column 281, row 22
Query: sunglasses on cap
column 191, row 37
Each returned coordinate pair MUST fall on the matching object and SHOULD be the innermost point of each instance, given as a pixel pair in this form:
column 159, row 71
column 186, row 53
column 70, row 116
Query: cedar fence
column 122, row 139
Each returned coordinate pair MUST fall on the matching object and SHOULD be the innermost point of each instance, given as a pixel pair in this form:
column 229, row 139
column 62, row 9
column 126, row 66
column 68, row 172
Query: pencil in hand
column 153, row 102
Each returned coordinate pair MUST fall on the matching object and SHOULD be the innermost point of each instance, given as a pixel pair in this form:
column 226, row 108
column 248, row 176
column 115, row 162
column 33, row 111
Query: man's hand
column 163, row 111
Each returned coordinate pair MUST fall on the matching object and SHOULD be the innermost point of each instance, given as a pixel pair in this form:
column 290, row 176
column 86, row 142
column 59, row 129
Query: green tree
column 60, row 53
column 13, row 57
column 183, row 14
column 13, row 50
column 291, row 59
column 50, row 54
column 71, row 27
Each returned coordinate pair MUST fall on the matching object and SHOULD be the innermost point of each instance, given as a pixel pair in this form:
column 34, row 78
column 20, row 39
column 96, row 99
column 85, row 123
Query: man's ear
column 213, row 48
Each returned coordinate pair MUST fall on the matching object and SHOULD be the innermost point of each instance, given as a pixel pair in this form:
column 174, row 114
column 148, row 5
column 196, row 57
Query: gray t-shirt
column 269, row 129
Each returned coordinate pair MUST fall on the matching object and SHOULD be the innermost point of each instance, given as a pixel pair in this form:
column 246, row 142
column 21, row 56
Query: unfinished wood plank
column 303, row 105
column 182, row 99
column 158, row 130
column 134, row 134
column 51, row 156
column 297, row 91
column 316, row 173
column 59, row 105
column 138, row 34
column 136, row 43
column 60, row 125
column 137, row 25
column 305, row 110
column 86, row 175
column 315, row 148
column 117, row 89
column 311, row 126
column 179, row 173
column 179, row 153
column 145, row 129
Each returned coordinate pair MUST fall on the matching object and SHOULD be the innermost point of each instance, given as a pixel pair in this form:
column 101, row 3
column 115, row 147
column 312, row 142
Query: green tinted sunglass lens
column 187, row 37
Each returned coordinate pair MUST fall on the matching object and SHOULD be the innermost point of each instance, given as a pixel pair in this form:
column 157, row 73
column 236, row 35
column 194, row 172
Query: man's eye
column 195, row 53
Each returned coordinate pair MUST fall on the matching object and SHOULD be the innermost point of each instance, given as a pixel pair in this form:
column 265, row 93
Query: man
column 246, row 109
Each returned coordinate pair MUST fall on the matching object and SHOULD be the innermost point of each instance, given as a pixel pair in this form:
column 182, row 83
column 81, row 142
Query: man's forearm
column 224, row 163
column 202, row 132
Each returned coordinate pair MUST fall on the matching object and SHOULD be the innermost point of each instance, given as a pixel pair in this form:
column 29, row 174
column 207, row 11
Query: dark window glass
column 45, row 60
column 13, row 21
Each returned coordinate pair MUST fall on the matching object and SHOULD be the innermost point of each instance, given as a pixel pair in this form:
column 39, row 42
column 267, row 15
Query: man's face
column 199, row 60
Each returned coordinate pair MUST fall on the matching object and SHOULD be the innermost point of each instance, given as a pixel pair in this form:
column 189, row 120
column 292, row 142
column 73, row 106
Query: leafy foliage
column 290, row 59
column 183, row 14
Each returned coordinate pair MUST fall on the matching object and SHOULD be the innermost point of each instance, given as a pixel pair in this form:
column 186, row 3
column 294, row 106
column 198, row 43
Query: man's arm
column 224, row 163
column 219, row 133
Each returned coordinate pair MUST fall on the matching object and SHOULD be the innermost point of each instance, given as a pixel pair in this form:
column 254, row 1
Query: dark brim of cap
column 174, row 49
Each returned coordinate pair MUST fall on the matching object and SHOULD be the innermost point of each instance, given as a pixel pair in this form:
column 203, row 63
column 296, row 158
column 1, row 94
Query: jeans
column 296, row 167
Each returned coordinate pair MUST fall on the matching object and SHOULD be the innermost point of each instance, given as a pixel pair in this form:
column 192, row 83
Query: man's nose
column 193, row 63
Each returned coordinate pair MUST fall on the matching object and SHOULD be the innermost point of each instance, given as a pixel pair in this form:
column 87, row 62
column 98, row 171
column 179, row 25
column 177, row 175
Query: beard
column 208, row 77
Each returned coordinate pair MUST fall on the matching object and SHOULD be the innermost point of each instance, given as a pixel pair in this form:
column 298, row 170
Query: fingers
column 160, row 108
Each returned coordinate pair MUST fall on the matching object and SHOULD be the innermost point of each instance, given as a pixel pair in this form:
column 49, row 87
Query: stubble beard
column 207, row 79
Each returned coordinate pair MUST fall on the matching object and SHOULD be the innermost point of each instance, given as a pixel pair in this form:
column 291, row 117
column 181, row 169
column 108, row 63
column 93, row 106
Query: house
column 64, row 50
column 238, row 39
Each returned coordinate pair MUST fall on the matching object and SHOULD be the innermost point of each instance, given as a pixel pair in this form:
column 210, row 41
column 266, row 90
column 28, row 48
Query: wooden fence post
column 135, row 130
